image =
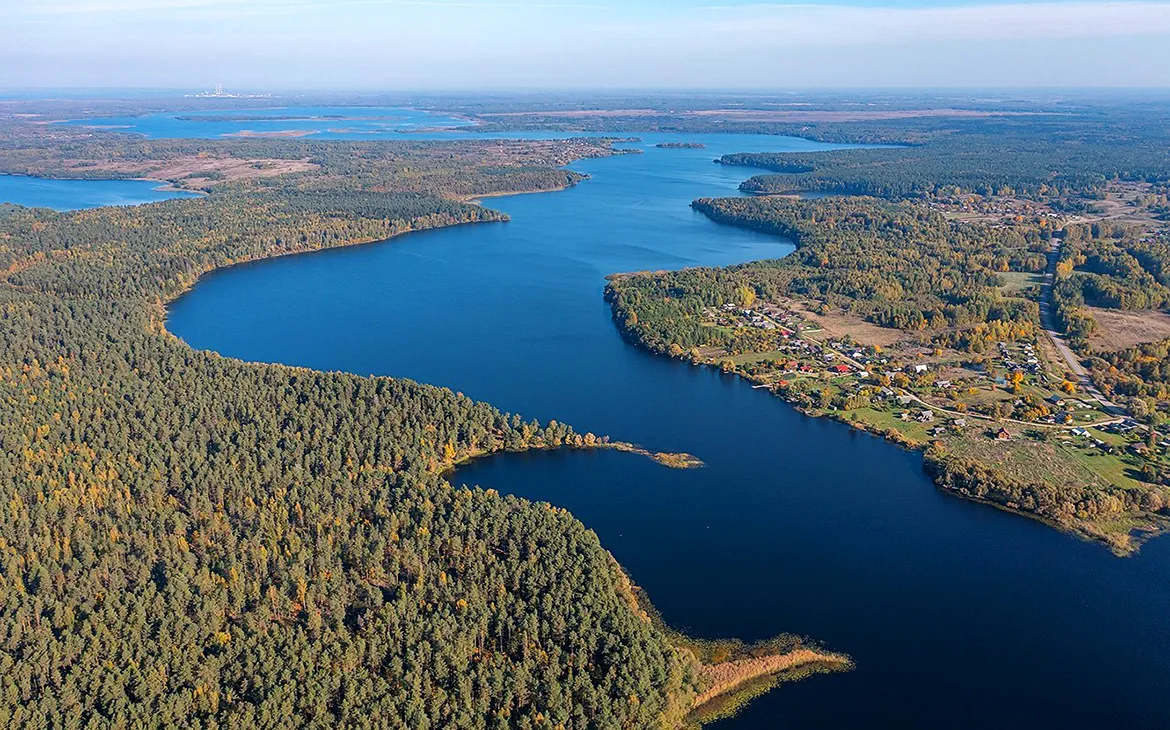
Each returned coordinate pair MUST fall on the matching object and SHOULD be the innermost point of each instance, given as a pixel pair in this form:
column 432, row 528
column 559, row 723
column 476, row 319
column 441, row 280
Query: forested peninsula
column 191, row 541
column 994, row 295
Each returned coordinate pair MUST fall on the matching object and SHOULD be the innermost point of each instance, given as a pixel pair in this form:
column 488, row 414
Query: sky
column 472, row 45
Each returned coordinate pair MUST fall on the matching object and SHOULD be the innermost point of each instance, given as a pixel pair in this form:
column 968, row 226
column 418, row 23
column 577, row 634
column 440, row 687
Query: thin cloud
column 417, row 43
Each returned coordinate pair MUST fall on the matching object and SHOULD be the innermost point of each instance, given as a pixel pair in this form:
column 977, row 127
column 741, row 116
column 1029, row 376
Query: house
column 1003, row 435
column 1056, row 400
column 1080, row 432
column 839, row 369
column 926, row 416
column 919, row 369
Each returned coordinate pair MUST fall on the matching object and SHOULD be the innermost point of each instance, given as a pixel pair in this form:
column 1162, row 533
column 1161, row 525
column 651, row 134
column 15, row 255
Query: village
column 918, row 394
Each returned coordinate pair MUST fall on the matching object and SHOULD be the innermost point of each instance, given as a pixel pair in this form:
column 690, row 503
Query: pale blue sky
column 509, row 44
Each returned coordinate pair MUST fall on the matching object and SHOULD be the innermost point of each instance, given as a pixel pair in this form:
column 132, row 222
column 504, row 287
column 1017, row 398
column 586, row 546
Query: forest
column 464, row 169
column 1041, row 157
column 189, row 541
column 895, row 264
column 1114, row 266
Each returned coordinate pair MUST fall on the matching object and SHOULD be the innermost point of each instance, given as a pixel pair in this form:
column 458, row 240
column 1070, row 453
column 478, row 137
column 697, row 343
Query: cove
column 957, row 615
column 58, row 194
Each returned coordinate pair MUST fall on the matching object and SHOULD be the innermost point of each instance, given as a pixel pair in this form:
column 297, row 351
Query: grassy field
column 912, row 432
column 1051, row 462
column 1016, row 281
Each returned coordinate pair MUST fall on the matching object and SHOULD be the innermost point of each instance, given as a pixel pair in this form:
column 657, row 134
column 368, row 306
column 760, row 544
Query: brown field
column 280, row 133
column 230, row 167
column 838, row 324
column 1118, row 330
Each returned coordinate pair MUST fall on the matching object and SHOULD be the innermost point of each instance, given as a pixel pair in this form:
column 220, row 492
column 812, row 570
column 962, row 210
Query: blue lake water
column 38, row 192
column 319, row 122
column 958, row 615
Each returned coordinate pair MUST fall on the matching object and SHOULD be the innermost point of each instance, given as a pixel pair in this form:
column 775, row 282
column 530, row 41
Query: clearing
column 1119, row 330
column 194, row 172
column 837, row 324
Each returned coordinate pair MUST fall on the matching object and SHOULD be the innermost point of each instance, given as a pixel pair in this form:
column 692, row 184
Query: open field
column 1016, row 281
column 195, row 171
column 1064, row 461
column 1119, row 329
column 837, row 324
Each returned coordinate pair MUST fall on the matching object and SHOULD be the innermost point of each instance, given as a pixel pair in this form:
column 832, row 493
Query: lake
column 321, row 122
column 39, row 192
column 958, row 615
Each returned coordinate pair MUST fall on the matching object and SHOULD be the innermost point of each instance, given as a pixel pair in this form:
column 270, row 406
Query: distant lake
column 958, row 615
column 39, row 192
column 319, row 122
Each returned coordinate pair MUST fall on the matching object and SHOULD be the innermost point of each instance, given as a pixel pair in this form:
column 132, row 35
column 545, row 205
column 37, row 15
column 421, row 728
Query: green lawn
column 1014, row 281
column 879, row 420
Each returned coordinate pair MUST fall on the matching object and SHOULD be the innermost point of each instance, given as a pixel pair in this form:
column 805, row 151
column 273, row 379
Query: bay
column 39, row 192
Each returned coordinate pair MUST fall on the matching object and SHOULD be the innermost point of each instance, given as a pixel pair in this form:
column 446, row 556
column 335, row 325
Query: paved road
column 1048, row 321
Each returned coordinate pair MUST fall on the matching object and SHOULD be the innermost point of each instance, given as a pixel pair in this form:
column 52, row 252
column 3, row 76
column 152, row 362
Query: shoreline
column 671, row 460
column 728, row 678
column 165, row 303
column 164, row 186
column 477, row 199
column 736, row 681
column 1129, row 546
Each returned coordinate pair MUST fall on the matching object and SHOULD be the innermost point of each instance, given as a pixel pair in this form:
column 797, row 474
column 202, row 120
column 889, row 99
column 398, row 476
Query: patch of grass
column 1016, row 281
column 912, row 433
column 748, row 358
column 1026, row 460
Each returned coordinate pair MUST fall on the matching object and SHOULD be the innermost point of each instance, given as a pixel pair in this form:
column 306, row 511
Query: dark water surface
column 39, row 192
column 958, row 615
